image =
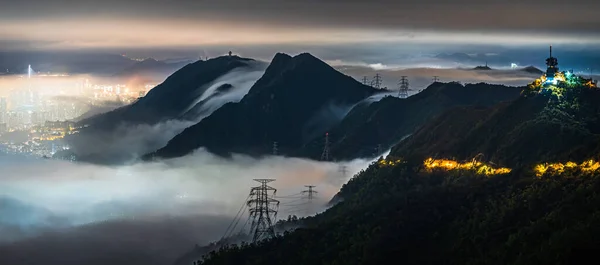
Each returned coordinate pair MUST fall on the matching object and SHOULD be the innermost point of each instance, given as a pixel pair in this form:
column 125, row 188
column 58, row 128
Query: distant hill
column 185, row 97
column 482, row 67
column 382, row 124
column 151, row 67
column 479, row 58
column 532, row 70
column 285, row 105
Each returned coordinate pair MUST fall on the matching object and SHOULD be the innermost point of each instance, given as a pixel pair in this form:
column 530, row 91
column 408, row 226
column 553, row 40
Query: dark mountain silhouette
column 174, row 96
column 525, row 131
column 399, row 210
column 384, row 123
column 290, row 95
column 128, row 132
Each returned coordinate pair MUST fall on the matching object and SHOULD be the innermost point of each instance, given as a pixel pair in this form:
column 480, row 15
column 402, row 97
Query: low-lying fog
column 56, row 212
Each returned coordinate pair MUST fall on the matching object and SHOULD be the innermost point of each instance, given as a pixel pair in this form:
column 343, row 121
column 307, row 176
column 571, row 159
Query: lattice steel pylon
column 263, row 210
column 365, row 81
column 403, row 91
column 326, row 149
column 376, row 82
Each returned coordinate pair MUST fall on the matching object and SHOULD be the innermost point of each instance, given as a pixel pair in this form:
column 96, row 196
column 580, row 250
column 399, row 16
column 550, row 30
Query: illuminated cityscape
column 35, row 116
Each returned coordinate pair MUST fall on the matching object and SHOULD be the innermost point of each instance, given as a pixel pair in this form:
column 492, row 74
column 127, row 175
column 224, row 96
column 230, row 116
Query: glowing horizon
column 132, row 33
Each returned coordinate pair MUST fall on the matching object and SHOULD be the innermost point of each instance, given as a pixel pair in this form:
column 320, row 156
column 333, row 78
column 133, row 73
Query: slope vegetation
column 407, row 209
column 382, row 124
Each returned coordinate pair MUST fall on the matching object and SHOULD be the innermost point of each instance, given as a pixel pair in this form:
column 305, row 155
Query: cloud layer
column 187, row 23
column 64, row 213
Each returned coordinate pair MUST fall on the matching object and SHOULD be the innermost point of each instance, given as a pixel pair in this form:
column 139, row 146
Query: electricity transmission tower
column 365, row 81
column 275, row 149
column 379, row 149
column 325, row 154
column 311, row 195
column 263, row 210
column 436, row 78
column 311, row 192
column 376, row 82
column 403, row 91
column 343, row 169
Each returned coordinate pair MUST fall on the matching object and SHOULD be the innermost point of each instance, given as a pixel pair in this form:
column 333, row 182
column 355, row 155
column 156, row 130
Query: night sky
column 351, row 32
column 62, row 24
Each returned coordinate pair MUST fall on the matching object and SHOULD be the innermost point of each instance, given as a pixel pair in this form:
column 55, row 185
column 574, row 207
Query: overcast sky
column 62, row 24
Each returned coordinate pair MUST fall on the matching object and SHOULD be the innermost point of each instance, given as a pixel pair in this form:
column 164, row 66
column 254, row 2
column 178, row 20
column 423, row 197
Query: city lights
column 36, row 110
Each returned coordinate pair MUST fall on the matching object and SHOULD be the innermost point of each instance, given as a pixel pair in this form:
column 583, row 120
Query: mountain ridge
column 382, row 124
column 276, row 108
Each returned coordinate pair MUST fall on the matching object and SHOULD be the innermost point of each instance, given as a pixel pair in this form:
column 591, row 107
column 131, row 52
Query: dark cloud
column 155, row 241
column 513, row 15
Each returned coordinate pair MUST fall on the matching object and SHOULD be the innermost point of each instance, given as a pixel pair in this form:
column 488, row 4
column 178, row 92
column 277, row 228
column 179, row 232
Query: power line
column 235, row 219
column 263, row 210
column 295, row 195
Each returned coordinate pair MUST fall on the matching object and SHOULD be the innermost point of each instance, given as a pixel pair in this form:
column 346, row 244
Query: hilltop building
column 555, row 82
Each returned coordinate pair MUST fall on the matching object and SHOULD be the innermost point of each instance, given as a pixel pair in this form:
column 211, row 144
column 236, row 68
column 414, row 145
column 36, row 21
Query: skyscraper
column 3, row 110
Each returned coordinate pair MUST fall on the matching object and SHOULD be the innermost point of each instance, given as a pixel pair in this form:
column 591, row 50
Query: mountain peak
column 284, row 105
column 281, row 56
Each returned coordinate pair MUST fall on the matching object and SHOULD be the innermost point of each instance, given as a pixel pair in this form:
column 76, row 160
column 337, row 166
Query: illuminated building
column 555, row 82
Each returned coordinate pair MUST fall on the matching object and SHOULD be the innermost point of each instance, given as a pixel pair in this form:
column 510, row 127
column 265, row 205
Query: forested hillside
column 513, row 184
